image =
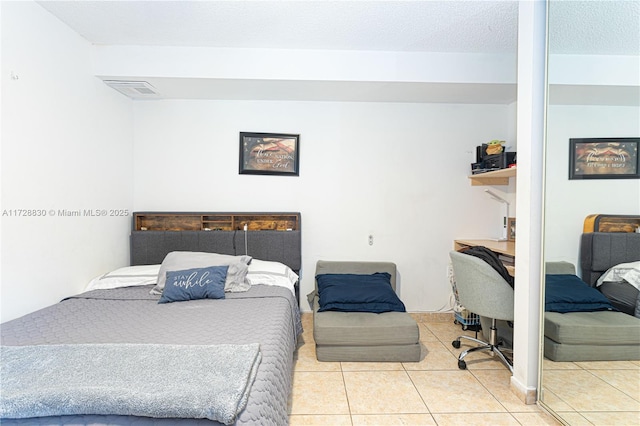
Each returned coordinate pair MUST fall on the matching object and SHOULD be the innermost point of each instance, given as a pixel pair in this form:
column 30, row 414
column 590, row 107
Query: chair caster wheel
column 462, row 365
column 456, row 344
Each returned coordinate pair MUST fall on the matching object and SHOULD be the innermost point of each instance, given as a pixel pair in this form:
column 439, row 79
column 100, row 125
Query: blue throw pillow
column 568, row 293
column 358, row 293
column 196, row 283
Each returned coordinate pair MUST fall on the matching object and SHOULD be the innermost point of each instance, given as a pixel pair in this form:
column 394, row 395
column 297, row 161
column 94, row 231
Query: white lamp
column 506, row 214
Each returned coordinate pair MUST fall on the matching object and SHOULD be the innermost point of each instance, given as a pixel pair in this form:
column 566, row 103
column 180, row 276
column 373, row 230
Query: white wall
column 396, row 171
column 568, row 202
column 66, row 145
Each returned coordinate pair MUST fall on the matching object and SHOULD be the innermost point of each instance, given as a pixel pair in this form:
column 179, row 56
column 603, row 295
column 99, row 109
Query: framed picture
column 604, row 158
column 511, row 229
column 269, row 154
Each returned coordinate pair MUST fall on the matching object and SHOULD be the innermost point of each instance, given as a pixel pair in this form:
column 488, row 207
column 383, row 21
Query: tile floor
column 430, row 392
column 612, row 396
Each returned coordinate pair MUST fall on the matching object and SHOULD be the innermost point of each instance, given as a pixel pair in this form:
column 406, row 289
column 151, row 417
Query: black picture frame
column 269, row 154
column 604, row 158
column 511, row 229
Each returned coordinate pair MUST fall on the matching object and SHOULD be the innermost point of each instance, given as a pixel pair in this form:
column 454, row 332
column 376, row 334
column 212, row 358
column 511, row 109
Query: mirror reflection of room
column 591, row 367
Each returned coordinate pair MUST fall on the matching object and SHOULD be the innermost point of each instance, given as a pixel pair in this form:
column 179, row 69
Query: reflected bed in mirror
column 581, row 323
column 591, row 346
column 587, row 41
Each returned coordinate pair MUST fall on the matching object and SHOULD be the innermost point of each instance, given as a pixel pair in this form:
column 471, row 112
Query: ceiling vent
column 134, row 89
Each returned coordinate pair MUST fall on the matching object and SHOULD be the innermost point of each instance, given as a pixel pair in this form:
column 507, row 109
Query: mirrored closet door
column 594, row 92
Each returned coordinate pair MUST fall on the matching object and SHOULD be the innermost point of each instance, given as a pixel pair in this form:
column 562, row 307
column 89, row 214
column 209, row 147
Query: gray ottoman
column 363, row 336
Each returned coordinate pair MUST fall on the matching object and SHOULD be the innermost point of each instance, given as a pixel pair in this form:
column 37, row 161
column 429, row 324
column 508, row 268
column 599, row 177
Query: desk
column 506, row 250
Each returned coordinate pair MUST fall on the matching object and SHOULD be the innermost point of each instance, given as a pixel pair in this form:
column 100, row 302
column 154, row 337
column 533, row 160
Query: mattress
column 591, row 336
column 604, row 328
column 597, row 352
column 266, row 315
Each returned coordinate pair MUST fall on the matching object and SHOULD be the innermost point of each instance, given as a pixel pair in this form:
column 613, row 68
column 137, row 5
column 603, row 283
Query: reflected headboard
column 269, row 236
column 599, row 251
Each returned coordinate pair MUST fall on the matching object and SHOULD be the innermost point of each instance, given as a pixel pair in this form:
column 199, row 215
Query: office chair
column 483, row 291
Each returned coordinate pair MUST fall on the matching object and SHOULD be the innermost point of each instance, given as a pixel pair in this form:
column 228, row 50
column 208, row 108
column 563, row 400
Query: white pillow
column 125, row 277
column 629, row 272
column 180, row 260
column 271, row 273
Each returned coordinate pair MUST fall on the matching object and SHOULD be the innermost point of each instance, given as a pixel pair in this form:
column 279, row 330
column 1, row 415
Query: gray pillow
column 180, row 260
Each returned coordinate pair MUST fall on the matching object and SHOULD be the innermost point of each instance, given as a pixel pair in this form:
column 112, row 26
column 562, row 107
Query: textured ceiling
column 438, row 26
column 579, row 27
column 595, row 27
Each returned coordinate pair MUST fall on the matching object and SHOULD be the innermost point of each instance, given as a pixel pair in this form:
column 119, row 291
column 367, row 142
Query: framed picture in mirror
column 604, row 158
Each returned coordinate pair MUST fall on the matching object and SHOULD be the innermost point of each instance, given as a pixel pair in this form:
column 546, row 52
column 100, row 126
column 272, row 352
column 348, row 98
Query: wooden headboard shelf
column 611, row 223
column 182, row 221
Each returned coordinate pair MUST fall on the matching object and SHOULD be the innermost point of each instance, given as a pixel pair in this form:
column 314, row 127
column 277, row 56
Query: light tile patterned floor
column 430, row 392
column 613, row 396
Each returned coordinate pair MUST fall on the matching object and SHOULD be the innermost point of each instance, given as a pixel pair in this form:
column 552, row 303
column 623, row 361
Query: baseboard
column 528, row 395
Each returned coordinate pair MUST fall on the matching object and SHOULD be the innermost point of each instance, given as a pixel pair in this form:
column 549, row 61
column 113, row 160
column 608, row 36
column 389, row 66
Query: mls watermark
column 66, row 213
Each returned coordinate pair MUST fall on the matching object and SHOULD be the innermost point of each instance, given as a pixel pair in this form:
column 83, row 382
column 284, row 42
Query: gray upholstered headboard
column 601, row 250
column 150, row 247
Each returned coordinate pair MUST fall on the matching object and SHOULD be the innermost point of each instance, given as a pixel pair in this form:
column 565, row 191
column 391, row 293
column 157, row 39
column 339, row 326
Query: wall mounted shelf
column 498, row 177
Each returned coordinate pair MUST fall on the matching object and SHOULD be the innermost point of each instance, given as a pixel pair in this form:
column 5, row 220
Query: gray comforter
column 265, row 315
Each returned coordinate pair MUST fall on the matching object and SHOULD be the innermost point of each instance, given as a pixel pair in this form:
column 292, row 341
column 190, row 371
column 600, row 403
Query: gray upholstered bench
column 363, row 336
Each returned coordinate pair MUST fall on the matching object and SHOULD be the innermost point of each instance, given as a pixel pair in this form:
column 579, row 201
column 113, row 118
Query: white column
column 530, row 133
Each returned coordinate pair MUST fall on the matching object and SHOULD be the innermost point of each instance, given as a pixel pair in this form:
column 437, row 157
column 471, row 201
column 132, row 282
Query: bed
column 610, row 262
column 603, row 333
column 245, row 341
